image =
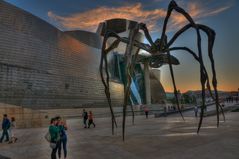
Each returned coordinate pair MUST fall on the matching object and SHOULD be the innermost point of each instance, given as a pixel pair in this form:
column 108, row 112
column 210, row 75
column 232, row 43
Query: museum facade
column 44, row 67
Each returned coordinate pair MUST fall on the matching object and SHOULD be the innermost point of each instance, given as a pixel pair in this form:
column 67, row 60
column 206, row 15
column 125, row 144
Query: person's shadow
column 3, row 157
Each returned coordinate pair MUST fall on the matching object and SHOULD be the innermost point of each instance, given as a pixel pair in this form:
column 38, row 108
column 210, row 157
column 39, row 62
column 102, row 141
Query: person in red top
column 146, row 111
column 90, row 118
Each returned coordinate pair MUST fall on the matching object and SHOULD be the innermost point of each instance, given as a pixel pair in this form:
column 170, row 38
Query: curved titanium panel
column 42, row 67
column 88, row 38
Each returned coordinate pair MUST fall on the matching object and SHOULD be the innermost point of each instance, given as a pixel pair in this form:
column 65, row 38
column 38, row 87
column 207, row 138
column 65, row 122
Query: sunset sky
column 221, row 15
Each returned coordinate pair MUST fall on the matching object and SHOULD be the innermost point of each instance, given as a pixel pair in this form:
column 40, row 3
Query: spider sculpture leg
column 174, row 83
column 134, row 58
column 205, row 72
column 105, row 82
column 131, row 72
column 143, row 27
column 211, row 36
column 173, row 6
column 129, row 68
column 148, row 37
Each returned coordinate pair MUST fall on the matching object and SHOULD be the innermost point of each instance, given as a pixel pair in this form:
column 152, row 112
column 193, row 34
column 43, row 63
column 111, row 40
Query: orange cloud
column 90, row 19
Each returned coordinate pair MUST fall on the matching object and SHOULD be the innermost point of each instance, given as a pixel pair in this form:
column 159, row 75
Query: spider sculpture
column 160, row 53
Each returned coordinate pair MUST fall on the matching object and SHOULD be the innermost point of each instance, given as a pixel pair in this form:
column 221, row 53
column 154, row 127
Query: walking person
column 12, row 128
column 63, row 138
column 55, row 137
column 91, row 119
column 85, row 118
column 146, row 111
column 165, row 111
column 5, row 127
column 196, row 111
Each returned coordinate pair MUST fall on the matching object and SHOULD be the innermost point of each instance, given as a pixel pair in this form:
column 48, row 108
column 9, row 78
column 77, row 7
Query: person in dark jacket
column 196, row 111
column 5, row 127
column 85, row 118
column 63, row 138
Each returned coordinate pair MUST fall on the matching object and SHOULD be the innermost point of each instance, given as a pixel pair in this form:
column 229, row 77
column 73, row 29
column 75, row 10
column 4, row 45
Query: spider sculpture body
column 160, row 54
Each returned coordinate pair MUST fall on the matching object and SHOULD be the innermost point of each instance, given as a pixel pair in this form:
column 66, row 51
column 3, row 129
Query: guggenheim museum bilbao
column 44, row 67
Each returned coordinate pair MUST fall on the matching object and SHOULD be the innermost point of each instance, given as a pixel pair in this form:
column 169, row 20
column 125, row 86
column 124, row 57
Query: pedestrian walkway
column 153, row 138
column 211, row 109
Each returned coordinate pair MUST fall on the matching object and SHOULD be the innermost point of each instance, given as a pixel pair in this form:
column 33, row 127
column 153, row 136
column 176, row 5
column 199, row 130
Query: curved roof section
column 88, row 38
column 23, row 21
column 117, row 25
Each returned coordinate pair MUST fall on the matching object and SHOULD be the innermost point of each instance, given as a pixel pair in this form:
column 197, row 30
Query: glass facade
column 117, row 72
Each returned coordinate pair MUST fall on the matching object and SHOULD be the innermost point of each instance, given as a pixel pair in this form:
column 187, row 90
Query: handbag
column 48, row 137
column 52, row 145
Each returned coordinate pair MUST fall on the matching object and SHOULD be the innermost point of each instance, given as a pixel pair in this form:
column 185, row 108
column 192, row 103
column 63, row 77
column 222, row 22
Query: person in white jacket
column 11, row 130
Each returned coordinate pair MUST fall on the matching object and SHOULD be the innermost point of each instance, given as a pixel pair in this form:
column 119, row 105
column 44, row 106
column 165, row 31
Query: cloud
column 219, row 10
column 197, row 12
column 90, row 19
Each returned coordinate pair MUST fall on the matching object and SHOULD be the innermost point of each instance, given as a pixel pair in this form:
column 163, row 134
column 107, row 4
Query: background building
column 42, row 67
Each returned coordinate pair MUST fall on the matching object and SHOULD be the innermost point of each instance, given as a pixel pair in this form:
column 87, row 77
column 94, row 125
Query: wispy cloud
column 197, row 12
column 90, row 19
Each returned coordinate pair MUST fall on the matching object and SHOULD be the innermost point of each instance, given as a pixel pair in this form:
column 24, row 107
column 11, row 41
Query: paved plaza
column 154, row 138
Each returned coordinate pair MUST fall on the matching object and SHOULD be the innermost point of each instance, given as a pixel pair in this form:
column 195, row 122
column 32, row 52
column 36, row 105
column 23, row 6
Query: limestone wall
column 25, row 118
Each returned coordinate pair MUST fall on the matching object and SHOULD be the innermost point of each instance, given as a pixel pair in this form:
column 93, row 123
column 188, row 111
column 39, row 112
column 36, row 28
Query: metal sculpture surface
column 160, row 54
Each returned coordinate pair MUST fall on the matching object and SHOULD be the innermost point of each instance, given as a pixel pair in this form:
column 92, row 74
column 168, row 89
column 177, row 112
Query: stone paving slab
column 153, row 138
